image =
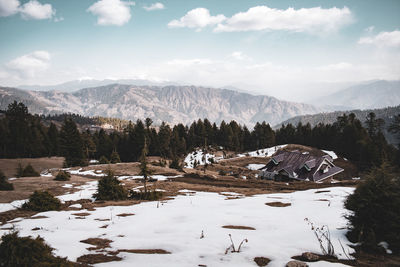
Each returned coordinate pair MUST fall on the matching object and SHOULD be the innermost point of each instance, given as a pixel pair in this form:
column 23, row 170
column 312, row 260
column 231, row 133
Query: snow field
column 176, row 226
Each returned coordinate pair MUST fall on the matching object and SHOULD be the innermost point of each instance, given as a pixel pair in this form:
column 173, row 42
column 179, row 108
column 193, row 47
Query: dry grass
column 81, row 214
column 261, row 261
column 125, row 214
column 98, row 243
column 97, row 258
column 238, row 227
column 145, row 251
column 9, row 166
column 278, row 204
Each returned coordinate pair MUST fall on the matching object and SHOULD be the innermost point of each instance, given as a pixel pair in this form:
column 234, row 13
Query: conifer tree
column 71, row 144
column 144, row 168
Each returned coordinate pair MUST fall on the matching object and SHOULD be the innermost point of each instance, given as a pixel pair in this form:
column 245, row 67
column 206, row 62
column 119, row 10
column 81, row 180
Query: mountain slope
column 172, row 104
column 375, row 94
column 387, row 114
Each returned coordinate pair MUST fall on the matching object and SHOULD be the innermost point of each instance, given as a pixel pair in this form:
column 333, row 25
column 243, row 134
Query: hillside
column 328, row 118
column 368, row 95
column 172, row 104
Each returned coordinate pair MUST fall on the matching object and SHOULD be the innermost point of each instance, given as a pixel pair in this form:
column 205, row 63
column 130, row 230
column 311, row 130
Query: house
column 287, row 165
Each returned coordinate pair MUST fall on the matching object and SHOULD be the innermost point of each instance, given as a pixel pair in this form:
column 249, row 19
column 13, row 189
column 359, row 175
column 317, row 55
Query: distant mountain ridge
column 367, row 95
column 172, row 104
column 387, row 114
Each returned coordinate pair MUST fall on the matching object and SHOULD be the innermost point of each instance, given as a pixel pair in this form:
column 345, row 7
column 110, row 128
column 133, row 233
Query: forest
column 25, row 135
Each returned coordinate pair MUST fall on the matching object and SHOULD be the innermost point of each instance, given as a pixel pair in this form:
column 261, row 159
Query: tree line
column 24, row 135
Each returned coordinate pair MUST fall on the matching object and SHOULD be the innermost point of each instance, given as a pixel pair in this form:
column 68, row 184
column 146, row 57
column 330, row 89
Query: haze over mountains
column 172, row 104
column 367, row 95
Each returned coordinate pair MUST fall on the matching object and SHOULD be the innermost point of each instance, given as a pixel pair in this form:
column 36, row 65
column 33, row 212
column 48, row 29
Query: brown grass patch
column 9, row 166
column 322, row 191
column 38, row 217
column 97, row 258
column 261, row 261
column 238, row 227
column 104, row 226
column 101, row 220
column 35, row 229
column 145, row 251
column 99, row 243
column 81, row 214
column 278, row 204
column 322, row 199
column 125, row 214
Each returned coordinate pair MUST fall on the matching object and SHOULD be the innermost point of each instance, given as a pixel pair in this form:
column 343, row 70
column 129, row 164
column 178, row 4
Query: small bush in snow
column 110, row 188
column 175, row 164
column 42, row 201
column 232, row 247
column 376, row 210
column 4, row 184
column 323, row 236
column 27, row 252
column 62, row 176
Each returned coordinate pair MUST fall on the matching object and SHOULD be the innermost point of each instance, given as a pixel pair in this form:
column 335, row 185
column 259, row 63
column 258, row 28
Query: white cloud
column 390, row 39
column 155, row 6
column 35, row 10
column 30, row 10
column 369, row 29
column 27, row 66
column 197, row 18
column 8, row 7
column 111, row 12
column 238, row 55
column 312, row 20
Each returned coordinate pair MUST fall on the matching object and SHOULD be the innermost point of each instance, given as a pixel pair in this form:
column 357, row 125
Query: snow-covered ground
column 255, row 167
column 12, row 206
column 265, row 152
column 200, row 158
column 97, row 173
column 332, row 154
column 176, row 226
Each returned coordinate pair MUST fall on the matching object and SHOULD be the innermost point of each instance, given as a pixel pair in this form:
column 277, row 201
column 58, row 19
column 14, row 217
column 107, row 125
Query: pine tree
column 4, row 184
column 144, row 169
column 114, row 157
column 71, row 144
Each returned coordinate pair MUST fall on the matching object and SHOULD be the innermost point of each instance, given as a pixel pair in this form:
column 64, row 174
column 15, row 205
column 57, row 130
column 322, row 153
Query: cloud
column 27, row 66
column 35, row 10
column 239, row 56
column 111, row 12
column 369, row 29
column 311, row 20
column 155, row 6
column 30, row 10
column 197, row 18
column 8, row 7
column 388, row 39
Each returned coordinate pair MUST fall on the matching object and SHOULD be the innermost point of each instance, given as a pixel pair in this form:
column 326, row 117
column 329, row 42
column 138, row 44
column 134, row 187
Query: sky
column 285, row 48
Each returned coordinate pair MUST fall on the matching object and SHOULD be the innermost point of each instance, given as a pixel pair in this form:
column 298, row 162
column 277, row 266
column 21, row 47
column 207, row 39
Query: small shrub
column 376, row 214
column 114, row 158
column 149, row 195
column 62, row 176
column 222, row 172
column 4, row 184
column 28, row 171
column 20, row 170
column 27, row 252
column 175, row 164
column 103, row 160
column 110, row 188
column 42, row 201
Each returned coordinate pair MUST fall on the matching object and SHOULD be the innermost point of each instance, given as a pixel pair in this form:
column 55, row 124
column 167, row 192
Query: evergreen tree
column 114, row 157
column 4, row 184
column 110, row 188
column 71, row 144
column 144, row 168
column 376, row 214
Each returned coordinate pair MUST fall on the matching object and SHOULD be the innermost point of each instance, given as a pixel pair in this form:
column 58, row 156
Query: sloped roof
column 293, row 163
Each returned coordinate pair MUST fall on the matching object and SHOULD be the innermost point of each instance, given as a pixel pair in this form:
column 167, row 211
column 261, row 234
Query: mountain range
column 172, row 104
column 366, row 95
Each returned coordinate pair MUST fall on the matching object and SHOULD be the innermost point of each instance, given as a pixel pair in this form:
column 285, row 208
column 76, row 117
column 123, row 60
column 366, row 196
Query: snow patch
column 255, row 167
column 265, row 152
